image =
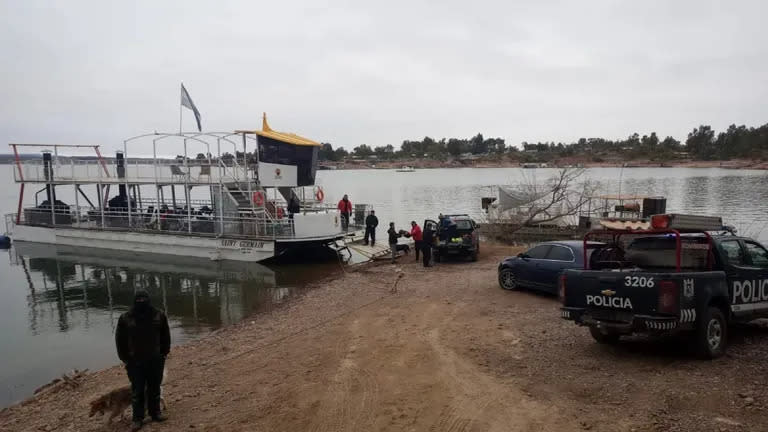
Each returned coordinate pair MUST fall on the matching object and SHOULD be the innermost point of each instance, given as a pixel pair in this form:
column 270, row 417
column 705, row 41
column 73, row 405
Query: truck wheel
column 473, row 255
column 603, row 338
column 507, row 279
column 712, row 334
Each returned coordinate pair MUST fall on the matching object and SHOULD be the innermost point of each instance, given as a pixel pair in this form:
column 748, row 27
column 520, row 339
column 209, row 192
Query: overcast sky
column 348, row 73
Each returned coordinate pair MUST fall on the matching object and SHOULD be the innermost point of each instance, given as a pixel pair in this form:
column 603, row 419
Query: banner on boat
column 271, row 174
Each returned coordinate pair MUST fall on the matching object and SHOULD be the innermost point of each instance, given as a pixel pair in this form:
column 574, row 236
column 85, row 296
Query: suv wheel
column 712, row 334
column 609, row 338
column 507, row 279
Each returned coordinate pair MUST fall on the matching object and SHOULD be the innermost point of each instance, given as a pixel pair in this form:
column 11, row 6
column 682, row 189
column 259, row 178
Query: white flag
column 187, row 102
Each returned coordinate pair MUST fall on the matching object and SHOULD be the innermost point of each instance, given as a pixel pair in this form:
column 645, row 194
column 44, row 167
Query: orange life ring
column 319, row 194
column 258, row 198
column 280, row 213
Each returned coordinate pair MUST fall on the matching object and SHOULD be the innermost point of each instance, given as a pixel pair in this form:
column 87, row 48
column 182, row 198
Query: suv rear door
column 433, row 226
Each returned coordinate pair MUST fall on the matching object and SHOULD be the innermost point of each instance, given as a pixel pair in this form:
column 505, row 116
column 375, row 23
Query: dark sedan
column 540, row 266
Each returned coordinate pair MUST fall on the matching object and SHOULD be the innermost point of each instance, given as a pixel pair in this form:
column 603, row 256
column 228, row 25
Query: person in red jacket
column 345, row 207
column 417, row 237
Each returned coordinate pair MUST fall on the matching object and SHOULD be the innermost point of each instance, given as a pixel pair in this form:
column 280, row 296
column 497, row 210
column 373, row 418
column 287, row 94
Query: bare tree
column 561, row 196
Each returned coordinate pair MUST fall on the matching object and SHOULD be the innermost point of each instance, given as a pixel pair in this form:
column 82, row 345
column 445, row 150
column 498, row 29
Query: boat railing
column 10, row 222
column 161, row 171
column 163, row 220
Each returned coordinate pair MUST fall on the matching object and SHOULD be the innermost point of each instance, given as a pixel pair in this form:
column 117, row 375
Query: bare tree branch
column 561, row 196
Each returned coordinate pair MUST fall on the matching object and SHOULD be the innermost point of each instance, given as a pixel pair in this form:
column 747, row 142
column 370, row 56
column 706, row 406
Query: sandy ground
column 449, row 351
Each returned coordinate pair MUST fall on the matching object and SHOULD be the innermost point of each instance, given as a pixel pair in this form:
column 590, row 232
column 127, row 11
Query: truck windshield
column 653, row 252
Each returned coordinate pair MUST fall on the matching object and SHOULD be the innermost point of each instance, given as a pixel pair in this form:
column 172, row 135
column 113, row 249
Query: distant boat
column 406, row 169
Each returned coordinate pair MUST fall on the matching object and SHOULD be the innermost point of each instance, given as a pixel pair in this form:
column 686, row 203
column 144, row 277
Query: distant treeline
column 703, row 143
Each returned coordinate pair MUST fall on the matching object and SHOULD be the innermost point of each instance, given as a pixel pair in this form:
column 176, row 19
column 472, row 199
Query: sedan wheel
column 507, row 279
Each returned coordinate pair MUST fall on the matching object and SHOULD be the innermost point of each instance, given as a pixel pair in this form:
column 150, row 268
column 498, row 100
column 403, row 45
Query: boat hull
column 233, row 249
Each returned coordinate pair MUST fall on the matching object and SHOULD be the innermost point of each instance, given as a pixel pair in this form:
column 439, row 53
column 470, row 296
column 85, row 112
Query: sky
column 353, row 72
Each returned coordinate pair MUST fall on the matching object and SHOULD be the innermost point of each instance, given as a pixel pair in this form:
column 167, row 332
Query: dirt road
column 448, row 351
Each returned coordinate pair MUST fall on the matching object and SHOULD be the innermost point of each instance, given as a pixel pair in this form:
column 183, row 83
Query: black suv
column 458, row 236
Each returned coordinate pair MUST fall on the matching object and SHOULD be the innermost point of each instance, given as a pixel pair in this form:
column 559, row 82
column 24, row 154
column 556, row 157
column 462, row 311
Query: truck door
column 745, row 280
column 431, row 225
column 756, row 275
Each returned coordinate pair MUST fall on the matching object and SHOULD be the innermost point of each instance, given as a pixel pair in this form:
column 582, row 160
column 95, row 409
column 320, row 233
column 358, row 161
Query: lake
column 59, row 306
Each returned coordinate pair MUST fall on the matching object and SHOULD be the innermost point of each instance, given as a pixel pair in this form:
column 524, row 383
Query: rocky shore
column 404, row 348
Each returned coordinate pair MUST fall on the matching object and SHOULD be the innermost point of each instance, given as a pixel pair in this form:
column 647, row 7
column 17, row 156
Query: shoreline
column 401, row 347
column 490, row 163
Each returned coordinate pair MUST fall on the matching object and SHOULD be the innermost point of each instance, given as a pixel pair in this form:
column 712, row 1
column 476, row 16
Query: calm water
column 58, row 307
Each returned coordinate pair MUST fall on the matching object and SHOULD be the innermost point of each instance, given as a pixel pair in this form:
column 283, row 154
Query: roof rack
column 677, row 221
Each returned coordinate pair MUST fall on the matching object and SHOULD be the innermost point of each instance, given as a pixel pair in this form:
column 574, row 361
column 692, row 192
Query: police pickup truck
column 671, row 276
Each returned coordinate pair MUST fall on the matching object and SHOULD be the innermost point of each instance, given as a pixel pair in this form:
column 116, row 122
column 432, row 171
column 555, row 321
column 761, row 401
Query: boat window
column 538, row 252
column 560, row 253
column 732, row 252
column 757, row 254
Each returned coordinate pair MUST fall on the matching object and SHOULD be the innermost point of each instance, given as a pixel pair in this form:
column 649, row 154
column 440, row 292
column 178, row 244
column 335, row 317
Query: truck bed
column 637, row 300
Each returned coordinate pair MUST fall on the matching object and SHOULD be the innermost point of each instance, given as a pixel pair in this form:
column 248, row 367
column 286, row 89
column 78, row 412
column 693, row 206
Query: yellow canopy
column 285, row 137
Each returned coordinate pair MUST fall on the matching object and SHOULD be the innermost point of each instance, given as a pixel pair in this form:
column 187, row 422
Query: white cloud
column 351, row 73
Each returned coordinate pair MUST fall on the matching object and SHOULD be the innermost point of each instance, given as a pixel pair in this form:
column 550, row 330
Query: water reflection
column 195, row 294
column 72, row 298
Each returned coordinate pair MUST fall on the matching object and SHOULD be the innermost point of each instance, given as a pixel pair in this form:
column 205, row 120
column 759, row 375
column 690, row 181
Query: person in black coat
column 427, row 239
column 294, row 206
column 143, row 341
column 371, row 222
column 393, row 236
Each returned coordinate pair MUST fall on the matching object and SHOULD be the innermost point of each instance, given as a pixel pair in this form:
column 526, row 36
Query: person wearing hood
column 143, row 341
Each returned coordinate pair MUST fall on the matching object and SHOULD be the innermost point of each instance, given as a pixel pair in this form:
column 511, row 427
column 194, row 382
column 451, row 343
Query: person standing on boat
column 371, row 222
column 143, row 341
column 393, row 236
column 293, row 206
column 345, row 207
column 417, row 236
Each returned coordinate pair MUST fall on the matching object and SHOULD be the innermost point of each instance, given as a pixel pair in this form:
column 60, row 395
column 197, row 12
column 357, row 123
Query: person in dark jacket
column 427, row 239
column 371, row 222
column 393, row 236
column 143, row 341
column 294, row 206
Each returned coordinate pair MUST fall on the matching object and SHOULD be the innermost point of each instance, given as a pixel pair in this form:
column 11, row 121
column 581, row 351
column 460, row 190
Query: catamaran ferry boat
column 256, row 203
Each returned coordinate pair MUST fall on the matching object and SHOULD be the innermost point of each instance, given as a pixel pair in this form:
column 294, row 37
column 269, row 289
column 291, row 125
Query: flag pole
column 180, row 110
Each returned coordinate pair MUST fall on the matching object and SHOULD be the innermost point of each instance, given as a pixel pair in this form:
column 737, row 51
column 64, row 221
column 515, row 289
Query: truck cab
column 672, row 276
